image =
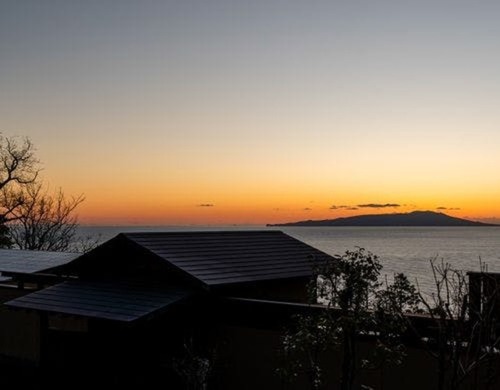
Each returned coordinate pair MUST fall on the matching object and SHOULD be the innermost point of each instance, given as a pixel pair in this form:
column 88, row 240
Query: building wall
column 19, row 329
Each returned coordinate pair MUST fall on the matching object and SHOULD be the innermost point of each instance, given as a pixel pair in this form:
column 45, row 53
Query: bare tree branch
column 18, row 168
column 44, row 221
column 18, row 161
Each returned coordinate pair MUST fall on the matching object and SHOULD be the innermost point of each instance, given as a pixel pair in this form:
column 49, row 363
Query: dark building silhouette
column 149, row 308
column 140, row 299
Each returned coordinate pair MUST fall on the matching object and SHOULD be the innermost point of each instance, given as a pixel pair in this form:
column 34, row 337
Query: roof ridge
column 185, row 251
column 205, row 232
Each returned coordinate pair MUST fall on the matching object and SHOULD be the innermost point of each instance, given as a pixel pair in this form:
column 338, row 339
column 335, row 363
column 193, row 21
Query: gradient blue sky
column 268, row 110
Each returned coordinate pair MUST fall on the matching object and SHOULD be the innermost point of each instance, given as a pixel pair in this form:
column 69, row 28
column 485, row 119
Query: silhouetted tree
column 31, row 217
column 466, row 338
column 5, row 241
column 84, row 244
column 391, row 306
column 44, row 221
column 18, row 168
column 193, row 367
column 356, row 303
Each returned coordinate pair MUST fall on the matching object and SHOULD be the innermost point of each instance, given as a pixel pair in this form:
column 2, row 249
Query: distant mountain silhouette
column 415, row 218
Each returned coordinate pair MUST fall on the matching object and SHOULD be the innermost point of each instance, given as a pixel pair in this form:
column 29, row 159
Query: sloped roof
column 26, row 261
column 118, row 301
column 217, row 258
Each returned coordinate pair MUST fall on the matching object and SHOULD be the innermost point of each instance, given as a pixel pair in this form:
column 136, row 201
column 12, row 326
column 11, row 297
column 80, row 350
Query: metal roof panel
column 118, row 301
column 217, row 258
column 26, row 261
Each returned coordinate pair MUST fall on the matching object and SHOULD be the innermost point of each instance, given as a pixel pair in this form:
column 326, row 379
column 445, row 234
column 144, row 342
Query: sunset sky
column 249, row 112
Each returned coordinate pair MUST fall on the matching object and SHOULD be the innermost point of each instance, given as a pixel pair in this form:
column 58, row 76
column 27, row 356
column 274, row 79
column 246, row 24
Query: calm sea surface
column 401, row 249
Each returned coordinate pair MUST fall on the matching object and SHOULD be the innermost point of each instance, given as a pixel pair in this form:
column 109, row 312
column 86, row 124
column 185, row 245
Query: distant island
column 415, row 218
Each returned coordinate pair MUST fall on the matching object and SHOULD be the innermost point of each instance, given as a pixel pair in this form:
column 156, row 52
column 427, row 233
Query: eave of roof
column 16, row 261
column 116, row 301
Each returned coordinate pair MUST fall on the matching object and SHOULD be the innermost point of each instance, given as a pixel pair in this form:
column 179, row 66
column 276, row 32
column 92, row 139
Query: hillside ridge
column 414, row 218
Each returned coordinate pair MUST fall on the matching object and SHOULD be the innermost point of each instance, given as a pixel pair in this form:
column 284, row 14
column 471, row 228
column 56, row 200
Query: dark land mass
column 415, row 218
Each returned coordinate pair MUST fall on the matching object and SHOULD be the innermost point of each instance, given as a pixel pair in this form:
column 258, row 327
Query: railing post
column 475, row 280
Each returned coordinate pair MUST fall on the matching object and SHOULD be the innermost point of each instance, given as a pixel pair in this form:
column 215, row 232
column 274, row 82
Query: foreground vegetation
column 358, row 306
column 31, row 216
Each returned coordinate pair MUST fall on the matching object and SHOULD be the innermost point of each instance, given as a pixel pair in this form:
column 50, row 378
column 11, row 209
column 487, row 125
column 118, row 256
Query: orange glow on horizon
column 224, row 211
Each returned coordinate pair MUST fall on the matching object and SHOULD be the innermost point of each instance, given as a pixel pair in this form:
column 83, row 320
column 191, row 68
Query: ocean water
column 400, row 249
